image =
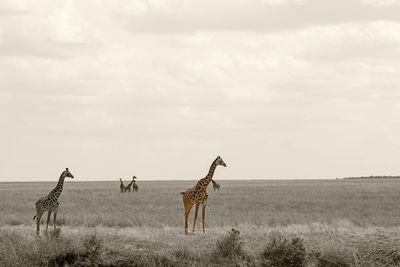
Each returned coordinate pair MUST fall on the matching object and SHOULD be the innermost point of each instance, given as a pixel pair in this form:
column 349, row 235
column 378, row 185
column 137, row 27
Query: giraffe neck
column 58, row 189
column 130, row 183
column 210, row 174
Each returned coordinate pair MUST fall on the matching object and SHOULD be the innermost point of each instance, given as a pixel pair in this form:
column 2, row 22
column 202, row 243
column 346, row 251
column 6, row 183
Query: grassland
column 355, row 222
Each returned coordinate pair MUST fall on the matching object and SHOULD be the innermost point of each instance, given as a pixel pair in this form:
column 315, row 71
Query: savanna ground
column 339, row 223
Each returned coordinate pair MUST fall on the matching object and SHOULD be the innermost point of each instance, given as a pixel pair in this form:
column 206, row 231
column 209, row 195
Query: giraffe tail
column 34, row 217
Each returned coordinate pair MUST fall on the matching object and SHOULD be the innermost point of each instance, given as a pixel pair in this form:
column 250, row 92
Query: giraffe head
column 67, row 173
column 134, row 177
column 219, row 161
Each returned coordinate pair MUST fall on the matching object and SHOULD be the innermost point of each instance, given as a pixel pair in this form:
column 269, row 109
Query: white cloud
column 254, row 15
column 128, row 7
column 206, row 77
column 381, row 3
column 65, row 27
column 281, row 2
column 15, row 5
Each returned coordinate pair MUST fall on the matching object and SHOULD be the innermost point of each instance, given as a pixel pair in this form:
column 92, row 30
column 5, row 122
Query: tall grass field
column 249, row 223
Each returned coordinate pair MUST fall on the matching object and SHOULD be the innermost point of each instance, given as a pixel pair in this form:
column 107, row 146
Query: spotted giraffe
column 198, row 195
column 128, row 187
column 135, row 187
column 50, row 203
column 216, row 185
column 121, row 186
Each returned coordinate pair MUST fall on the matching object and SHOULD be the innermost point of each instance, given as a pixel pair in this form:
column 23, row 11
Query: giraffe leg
column 195, row 216
column 54, row 221
column 204, row 218
column 48, row 219
column 188, row 207
column 38, row 218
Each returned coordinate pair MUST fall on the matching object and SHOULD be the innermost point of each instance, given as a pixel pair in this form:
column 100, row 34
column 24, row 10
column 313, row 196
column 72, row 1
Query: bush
column 150, row 260
column 93, row 248
column 184, row 255
column 229, row 251
column 63, row 259
column 21, row 248
column 336, row 256
column 61, row 221
column 230, row 246
column 330, row 260
column 282, row 252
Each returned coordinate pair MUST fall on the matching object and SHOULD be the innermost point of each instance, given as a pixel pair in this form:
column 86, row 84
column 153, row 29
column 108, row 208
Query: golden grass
column 356, row 219
column 260, row 203
column 372, row 244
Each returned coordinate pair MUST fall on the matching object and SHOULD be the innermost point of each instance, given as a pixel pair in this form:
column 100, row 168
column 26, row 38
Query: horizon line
column 161, row 180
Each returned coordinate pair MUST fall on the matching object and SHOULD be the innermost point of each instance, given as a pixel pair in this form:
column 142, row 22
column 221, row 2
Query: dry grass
column 373, row 246
column 260, row 203
column 356, row 222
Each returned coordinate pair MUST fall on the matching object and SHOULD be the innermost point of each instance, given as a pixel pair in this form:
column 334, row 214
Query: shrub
column 382, row 251
column 149, row 260
column 21, row 248
column 93, row 248
column 63, row 259
column 163, row 260
column 330, row 260
column 230, row 246
column 61, row 221
column 394, row 256
column 229, row 251
column 336, row 256
column 184, row 255
column 282, row 252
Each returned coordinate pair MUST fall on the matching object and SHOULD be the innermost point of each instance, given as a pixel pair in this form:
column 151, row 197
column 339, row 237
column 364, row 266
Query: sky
column 280, row 89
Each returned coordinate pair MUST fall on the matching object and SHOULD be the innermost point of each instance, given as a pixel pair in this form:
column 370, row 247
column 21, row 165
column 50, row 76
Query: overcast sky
column 157, row 89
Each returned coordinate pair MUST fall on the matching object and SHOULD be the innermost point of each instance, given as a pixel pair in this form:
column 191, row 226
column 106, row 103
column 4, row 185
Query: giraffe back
column 197, row 194
column 47, row 203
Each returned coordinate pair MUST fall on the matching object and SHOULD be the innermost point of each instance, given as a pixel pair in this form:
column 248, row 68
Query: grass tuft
column 93, row 248
column 230, row 250
column 283, row 252
column 13, row 220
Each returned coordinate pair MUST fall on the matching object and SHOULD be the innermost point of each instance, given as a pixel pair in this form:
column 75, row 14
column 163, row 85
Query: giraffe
column 216, row 185
column 135, row 187
column 121, row 186
column 50, row 203
column 128, row 187
column 198, row 195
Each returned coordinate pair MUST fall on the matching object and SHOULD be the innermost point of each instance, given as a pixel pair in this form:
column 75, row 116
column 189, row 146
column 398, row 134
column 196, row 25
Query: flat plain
column 354, row 222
